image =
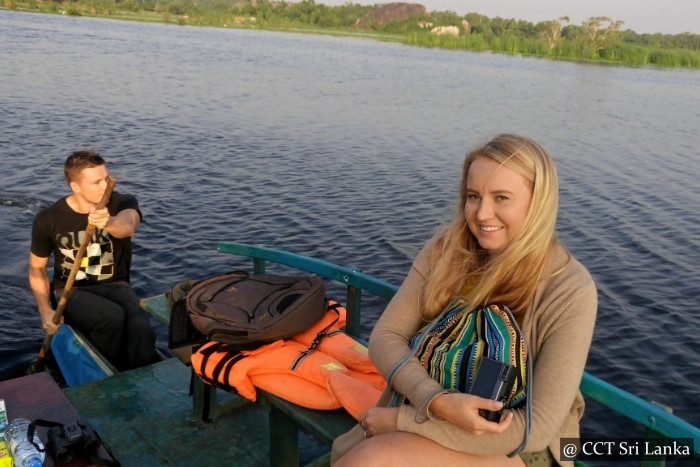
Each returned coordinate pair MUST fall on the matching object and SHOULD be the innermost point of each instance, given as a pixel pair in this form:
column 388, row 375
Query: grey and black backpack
column 244, row 310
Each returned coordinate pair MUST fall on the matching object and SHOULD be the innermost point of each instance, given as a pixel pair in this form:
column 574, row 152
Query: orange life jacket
column 321, row 368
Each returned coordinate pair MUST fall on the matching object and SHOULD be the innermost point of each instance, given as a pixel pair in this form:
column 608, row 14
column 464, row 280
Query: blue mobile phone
column 493, row 380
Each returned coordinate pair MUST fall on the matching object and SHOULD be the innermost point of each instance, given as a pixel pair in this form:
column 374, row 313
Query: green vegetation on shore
column 597, row 39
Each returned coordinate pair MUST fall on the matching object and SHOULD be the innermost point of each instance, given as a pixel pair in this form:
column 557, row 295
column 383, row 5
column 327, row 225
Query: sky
column 641, row 16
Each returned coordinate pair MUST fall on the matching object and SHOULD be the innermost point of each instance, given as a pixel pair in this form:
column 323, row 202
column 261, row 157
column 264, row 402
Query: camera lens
column 91, row 446
column 63, row 455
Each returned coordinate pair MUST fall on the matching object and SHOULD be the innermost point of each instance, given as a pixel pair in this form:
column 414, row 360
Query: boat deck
column 146, row 417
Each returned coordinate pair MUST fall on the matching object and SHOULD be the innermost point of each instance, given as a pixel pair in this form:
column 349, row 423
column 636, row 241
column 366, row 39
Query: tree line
column 597, row 38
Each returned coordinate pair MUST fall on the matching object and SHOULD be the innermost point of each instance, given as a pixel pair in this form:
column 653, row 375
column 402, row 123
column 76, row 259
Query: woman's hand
column 463, row 410
column 378, row 420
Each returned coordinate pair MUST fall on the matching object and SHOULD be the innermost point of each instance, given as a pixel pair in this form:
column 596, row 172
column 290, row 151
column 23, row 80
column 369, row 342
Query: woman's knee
column 379, row 451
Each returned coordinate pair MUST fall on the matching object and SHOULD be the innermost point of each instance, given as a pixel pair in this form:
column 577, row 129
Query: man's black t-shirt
column 59, row 230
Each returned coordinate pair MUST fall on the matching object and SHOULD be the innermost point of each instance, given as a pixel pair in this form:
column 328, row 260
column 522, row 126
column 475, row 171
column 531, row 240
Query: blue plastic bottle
column 24, row 453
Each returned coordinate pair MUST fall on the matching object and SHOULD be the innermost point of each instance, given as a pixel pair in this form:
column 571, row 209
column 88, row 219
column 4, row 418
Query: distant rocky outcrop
column 392, row 11
column 445, row 31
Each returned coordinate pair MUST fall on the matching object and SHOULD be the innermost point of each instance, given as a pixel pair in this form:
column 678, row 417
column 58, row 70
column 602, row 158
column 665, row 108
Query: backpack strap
column 528, row 383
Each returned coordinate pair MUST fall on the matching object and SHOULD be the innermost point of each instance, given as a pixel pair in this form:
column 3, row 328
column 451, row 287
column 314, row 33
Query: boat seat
column 285, row 418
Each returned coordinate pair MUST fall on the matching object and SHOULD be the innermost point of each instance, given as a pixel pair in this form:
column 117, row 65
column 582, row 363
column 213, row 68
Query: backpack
column 246, row 311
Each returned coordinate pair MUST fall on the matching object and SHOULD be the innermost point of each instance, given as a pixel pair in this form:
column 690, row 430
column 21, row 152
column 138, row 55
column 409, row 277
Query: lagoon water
column 349, row 150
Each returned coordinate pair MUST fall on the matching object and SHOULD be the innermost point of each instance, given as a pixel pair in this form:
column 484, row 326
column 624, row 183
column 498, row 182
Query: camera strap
column 32, row 428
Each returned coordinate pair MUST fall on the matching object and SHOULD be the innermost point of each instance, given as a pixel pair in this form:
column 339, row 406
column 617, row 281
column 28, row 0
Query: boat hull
column 79, row 361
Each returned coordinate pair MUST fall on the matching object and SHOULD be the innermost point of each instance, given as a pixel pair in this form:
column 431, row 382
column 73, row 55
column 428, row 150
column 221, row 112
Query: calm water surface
column 349, row 150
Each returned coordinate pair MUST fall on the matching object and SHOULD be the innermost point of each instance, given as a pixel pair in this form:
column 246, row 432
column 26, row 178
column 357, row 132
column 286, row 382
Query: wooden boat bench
column 286, row 418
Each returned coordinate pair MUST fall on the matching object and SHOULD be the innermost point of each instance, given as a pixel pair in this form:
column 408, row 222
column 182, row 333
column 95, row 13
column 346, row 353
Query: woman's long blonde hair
column 508, row 276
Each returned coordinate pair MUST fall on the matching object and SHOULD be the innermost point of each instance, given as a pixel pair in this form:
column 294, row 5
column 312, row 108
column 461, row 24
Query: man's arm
column 122, row 225
column 41, row 289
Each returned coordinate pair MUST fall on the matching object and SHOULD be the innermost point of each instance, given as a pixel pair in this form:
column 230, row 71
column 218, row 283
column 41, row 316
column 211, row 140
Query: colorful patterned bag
column 451, row 347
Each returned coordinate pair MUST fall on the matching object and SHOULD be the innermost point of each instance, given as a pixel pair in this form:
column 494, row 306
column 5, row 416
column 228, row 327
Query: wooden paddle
column 89, row 231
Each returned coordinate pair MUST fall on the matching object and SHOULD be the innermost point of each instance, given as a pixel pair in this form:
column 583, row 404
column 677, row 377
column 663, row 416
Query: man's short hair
column 78, row 161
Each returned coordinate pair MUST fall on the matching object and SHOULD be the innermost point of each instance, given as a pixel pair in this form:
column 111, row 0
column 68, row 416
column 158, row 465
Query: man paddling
column 101, row 304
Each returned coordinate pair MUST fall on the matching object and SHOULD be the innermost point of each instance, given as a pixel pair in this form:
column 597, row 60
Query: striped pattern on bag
column 452, row 350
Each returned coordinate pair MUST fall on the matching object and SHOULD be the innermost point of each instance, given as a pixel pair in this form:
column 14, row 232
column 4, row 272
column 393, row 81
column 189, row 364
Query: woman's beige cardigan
column 558, row 327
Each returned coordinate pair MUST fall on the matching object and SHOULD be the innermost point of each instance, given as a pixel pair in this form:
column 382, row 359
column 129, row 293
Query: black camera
column 493, row 380
column 72, row 440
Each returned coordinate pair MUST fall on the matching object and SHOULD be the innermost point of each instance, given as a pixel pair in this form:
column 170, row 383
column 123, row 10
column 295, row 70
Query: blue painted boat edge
column 641, row 411
column 77, row 359
column 344, row 275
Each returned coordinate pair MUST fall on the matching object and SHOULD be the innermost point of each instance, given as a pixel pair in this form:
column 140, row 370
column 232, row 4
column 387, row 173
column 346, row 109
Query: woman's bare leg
column 406, row 449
